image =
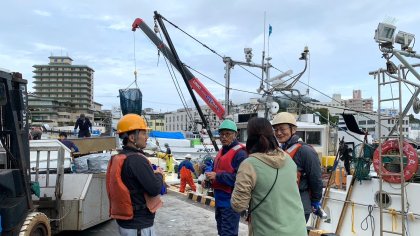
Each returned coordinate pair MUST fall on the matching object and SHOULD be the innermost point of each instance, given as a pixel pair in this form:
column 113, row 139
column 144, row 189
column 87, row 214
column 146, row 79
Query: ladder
column 396, row 100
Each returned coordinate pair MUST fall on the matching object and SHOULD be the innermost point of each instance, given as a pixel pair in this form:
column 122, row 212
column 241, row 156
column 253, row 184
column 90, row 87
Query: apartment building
column 189, row 119
column 369, row 122
column 67, row 84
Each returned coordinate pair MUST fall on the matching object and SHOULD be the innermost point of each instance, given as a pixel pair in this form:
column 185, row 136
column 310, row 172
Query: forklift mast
column 15, row 193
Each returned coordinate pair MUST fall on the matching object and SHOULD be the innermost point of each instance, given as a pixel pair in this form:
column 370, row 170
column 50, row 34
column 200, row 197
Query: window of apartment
column 389, row 122
column 362, row 122
column 371, row 122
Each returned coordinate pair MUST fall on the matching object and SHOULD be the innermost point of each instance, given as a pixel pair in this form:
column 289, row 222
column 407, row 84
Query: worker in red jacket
column 223, row 177
column 185, row 172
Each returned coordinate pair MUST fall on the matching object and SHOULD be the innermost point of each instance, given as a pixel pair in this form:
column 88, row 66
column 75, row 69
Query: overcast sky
column 98, row 34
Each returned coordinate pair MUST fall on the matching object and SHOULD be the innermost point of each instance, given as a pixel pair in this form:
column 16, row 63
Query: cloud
column 122, row 26
column 42, row 13
column 48, row 47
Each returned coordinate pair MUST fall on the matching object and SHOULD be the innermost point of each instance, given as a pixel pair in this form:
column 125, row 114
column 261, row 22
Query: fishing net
column 131, row 101
column 363, row 160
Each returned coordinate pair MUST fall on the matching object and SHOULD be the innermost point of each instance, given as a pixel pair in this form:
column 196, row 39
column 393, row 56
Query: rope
column 410, row 216
column 394, row 216
column 177, row 86
column 353, row 229
column 372, row 221
column 135, row 60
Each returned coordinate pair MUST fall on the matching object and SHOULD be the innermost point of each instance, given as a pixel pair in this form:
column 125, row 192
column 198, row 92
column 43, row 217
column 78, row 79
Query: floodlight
column 391, row 67
column 404, row 39
column 385, row 33
column 248, row 54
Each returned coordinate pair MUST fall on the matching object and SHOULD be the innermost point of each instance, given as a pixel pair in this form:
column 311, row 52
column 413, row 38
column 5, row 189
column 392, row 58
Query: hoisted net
column 131, row 101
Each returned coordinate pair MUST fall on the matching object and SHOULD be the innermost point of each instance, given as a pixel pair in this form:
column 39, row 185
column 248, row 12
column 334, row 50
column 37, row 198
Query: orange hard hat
column 131, row 122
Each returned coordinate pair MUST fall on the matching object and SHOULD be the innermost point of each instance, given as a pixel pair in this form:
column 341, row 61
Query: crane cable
column 291, row 77
column 135, row 64
column 175, row 80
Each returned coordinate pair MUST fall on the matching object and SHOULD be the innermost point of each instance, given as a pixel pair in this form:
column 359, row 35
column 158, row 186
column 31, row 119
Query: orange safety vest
column 223, row 163
column 292, row 152
column 120, row 205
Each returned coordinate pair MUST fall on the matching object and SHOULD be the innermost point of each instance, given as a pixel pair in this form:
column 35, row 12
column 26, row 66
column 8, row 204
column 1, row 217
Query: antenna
column 280, row 76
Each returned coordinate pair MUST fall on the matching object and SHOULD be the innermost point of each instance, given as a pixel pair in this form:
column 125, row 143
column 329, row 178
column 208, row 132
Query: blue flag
column 270, row 29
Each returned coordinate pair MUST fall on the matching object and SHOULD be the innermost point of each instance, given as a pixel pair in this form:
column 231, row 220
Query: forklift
column 18, row 214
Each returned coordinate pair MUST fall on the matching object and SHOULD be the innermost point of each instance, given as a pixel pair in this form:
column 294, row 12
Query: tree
column 324, row 116
column 413, row 119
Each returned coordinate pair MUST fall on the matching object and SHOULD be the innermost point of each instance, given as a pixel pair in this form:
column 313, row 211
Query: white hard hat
column 188, row 156
column 284, row 118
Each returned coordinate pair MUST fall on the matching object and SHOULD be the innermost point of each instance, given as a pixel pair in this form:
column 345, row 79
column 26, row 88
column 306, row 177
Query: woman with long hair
column 266, row 185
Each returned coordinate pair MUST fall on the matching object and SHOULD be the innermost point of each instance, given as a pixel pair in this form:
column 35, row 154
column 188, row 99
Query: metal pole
column 270, row 97
column 227, row 62
column 158, row 17
column 416, row 93
column 381, row 220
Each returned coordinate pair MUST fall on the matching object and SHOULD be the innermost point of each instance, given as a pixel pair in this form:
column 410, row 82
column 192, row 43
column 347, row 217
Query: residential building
column 189, row 119
column 64, row 82
column 369, row 122
column 358, row 103
column 155, row 120
column 102, row 118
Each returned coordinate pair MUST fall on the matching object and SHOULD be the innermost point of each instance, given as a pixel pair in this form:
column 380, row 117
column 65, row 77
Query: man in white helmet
column 185, row 173
column 306, row 159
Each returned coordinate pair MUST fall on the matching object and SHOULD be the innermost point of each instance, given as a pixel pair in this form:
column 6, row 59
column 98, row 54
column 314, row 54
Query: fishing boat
column 380, row 196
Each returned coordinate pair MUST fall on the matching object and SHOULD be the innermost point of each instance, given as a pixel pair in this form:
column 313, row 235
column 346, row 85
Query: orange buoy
column 412, row 161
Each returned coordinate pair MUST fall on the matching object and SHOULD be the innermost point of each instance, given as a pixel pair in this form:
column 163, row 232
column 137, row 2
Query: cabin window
column 313, row 137
column 310, row 137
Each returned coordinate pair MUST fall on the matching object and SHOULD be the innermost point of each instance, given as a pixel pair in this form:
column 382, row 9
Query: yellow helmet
column 131, row 122
column 284, row 118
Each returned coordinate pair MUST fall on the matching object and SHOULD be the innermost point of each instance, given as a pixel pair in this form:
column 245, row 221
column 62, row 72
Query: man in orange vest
column 133, row 186
column 185, row 171
column 223, row 178
column 306, row 159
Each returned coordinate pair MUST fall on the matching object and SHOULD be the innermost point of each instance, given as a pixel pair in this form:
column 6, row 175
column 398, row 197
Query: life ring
column 412, row 161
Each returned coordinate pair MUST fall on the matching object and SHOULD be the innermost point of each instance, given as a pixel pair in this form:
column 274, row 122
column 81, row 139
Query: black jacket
column 307, row 161
column 83, row 124
column 138, row 177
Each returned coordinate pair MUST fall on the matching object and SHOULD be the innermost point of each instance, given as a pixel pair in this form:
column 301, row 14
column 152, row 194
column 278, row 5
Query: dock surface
column 178, row 216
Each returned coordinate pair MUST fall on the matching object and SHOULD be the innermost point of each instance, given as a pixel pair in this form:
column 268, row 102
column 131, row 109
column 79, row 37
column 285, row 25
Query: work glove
column 317, row 210
column 315, row 205
column 75, row 131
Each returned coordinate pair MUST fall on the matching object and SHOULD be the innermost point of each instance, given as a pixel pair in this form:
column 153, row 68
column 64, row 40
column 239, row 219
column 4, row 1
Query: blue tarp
column 172, row 135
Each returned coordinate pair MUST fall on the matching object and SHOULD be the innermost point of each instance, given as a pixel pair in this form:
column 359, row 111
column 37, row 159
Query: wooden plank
column 95, row 144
